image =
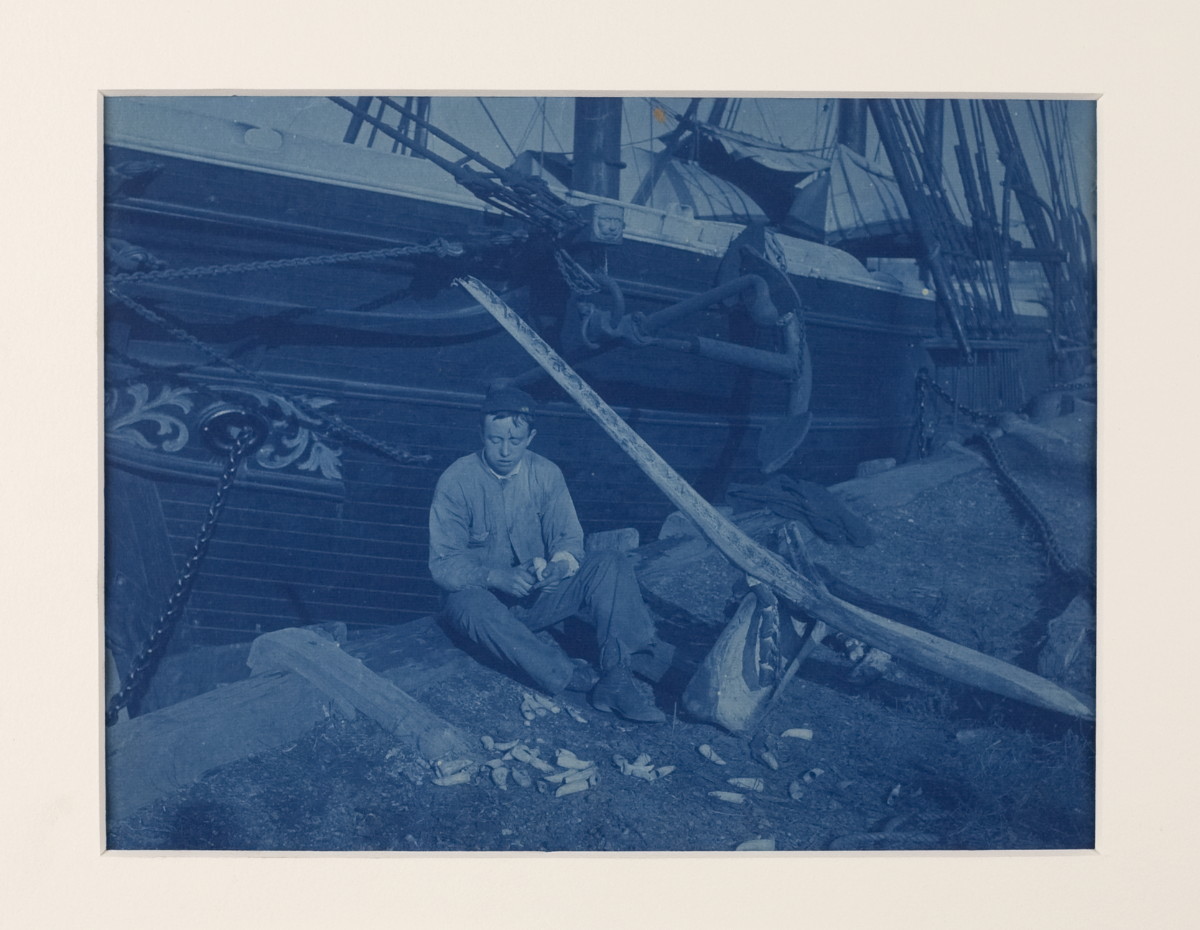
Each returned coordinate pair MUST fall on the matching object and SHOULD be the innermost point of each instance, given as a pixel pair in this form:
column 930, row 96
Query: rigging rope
column 496, row 126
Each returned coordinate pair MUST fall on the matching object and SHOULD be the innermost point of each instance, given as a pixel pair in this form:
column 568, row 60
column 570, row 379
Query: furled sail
column 850, row 203
column 681, row 184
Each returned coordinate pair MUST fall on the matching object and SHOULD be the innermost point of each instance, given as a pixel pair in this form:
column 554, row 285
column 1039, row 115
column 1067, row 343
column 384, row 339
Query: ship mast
column 596, row 168
column 852, row 123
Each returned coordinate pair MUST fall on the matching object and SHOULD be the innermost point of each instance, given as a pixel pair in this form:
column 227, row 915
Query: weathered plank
column 898, row 486
column 187, row 673
column 155, row 754
column 349, row 683
column 139, row 571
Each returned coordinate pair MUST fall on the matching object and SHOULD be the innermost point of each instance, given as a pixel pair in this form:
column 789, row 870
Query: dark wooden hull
column 297, row 548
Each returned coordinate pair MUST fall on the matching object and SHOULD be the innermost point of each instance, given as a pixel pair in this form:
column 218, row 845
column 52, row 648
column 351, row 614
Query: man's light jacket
column 480, row 520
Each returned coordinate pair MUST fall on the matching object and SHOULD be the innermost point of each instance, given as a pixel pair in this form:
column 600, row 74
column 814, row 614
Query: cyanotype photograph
column 602, row 474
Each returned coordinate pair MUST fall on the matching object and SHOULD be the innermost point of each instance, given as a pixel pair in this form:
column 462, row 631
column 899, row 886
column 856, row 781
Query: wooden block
column 347, row 681
column 625, row 539
column 157, row 753
column 874, row 467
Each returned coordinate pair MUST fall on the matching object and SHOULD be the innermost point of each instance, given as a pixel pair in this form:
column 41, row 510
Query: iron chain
column 923, row 380
column 439, row 247
column 924, row 424
column 1063, row 565
column 331, row 421
column 1058, row 559
column 169, row 618
column 577, row 277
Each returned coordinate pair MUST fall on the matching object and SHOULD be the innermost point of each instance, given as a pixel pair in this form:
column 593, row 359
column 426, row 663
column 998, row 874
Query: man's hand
column 553, row 575
column 517, row 581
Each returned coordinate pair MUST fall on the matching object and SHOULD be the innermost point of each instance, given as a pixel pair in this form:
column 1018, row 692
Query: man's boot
column 583, row 676
column 619, row 693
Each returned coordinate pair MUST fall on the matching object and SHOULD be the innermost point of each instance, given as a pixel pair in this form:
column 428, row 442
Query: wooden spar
column 596, row 167
column 931, row 652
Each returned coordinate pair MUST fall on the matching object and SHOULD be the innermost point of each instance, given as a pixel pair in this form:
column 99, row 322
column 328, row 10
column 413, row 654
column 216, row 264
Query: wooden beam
column 353, row 686
column 151, row 756
column 155, row 754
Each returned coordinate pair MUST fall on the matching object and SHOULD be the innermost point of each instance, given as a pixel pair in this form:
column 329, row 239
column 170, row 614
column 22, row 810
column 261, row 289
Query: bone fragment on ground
column 729, row 797
column 539, row 700
column 447, row 767
column 568, row 760
column 749, row 784
column 710, row 754
column 644, row 771
column 769, row 760
column 798, row 733
column 522, row 753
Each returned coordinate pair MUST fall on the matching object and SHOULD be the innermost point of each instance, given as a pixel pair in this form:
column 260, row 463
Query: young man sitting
column 507, row 548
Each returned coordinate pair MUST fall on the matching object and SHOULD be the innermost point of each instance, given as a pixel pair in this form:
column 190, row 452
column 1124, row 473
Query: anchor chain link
column 923, row 380
column 440, row 247
column 577, row 277
column 1058, row 559
column 924, row 423
column 169, row 618
column 1077, row 574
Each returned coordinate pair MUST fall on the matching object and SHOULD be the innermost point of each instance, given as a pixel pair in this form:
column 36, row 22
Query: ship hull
column 405, row 361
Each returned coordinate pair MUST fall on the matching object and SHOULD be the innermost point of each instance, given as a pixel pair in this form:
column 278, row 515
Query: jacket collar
column 488, row 468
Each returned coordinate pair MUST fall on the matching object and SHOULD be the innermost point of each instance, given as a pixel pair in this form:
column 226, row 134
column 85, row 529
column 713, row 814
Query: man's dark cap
column 508, row 400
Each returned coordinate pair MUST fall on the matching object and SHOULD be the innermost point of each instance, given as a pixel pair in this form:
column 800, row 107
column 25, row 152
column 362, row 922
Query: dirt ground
column 907, row 761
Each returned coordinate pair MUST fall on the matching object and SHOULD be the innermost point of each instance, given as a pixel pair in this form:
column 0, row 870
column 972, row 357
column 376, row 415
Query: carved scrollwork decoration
column 157, row 419
column 292, row 441
column 132, row 416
